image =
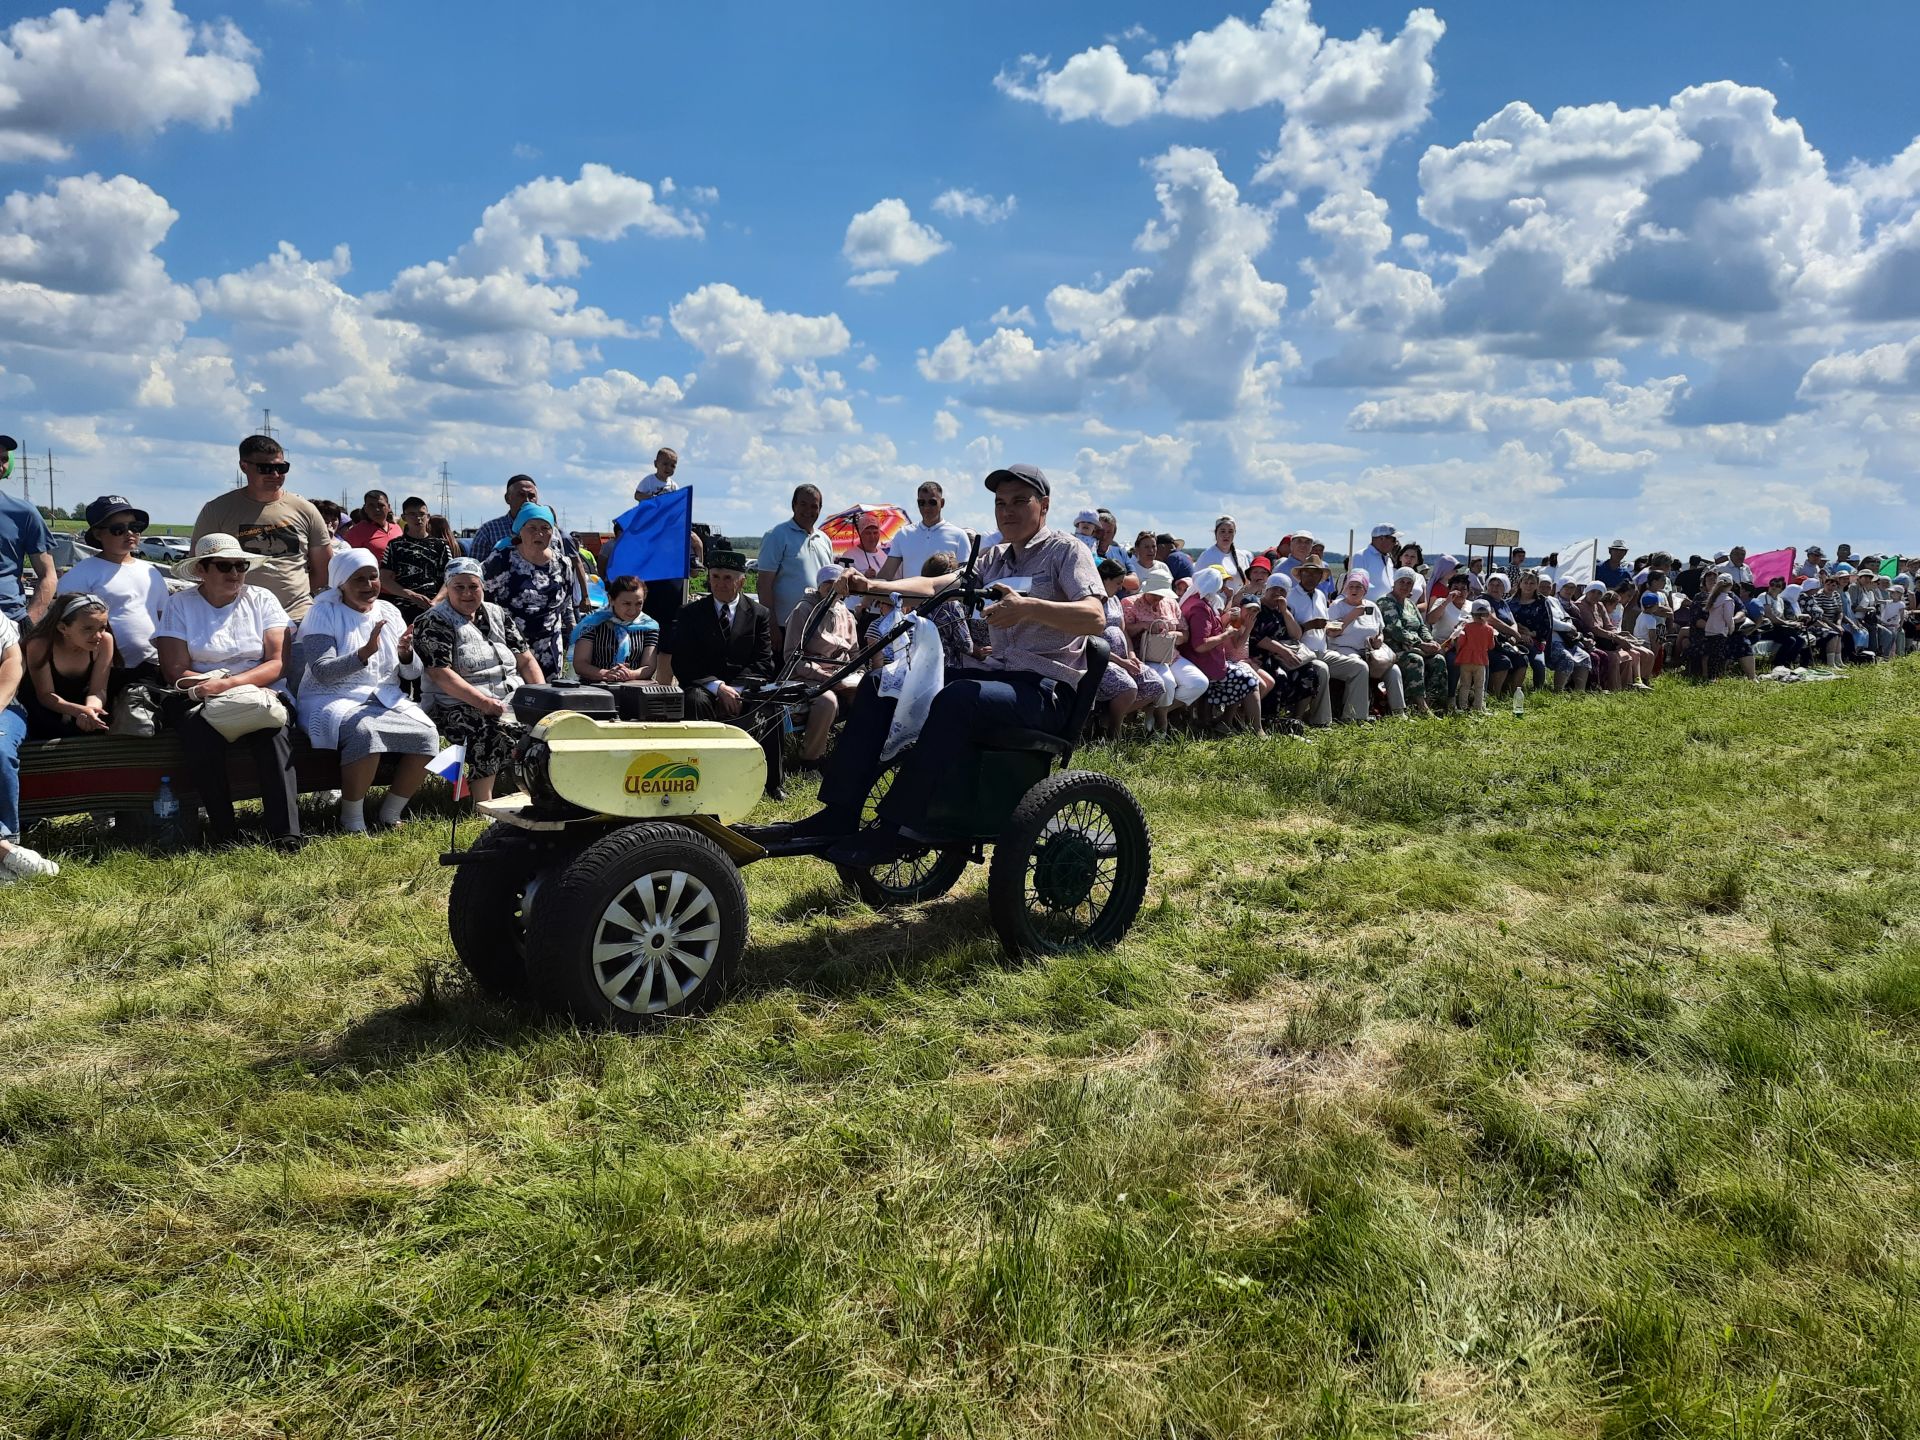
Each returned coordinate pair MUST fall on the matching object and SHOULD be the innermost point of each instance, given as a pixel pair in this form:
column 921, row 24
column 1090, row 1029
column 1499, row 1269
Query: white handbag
column 243, row 710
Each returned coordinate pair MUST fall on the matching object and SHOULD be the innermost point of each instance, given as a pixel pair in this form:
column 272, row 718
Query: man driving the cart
column 1047, row 603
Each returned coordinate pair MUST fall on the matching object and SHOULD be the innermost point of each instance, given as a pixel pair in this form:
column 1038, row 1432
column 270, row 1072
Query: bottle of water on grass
column 168, row 833
column 1519, row 701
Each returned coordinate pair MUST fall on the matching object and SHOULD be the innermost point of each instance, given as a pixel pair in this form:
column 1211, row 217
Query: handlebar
column 784, row 690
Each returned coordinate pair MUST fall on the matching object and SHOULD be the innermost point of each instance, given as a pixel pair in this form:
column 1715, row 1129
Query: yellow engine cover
column 645, row 769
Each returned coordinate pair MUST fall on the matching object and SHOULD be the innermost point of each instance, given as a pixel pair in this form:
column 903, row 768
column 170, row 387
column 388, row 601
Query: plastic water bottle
column 1519, row 701
column 167, row 831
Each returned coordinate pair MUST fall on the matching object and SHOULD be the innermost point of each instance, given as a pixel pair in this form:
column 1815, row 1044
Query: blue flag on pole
column 653, row 539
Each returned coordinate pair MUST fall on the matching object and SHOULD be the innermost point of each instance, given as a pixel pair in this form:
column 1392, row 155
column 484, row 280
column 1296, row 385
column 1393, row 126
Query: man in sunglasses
column 915, row 545
column 272, row 522
column 25, row 543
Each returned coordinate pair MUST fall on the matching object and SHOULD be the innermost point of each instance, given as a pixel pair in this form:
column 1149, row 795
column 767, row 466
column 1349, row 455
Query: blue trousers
column 971, row 702
column 13, row 732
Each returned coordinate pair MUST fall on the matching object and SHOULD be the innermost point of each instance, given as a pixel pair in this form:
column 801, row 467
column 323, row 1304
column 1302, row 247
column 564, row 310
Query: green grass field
column 1552, row 1077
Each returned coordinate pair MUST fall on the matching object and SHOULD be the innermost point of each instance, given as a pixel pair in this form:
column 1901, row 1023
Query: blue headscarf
column 524, row 516
column 637, row 630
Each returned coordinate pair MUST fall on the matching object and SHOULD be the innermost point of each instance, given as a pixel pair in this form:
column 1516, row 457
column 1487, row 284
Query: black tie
column 726, row 617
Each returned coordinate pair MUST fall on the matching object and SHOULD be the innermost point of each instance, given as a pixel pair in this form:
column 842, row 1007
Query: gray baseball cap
column 1029, row 475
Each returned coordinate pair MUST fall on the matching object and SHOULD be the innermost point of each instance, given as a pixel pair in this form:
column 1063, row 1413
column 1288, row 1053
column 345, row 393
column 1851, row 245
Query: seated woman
column 1507, row 661
column 351, row 653
column 831, row 647
column 1127, row 687
column 1355, row 627
column 1233, row 689
column 619, row 644
column 473, row 657
column 1423, row 667
column 16, row 860
column 1630, row 665
column 1278, row 646
column 1154, row 631
column 222, row 634
column 69, row 659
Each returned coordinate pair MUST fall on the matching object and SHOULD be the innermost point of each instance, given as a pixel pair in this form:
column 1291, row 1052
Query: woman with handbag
column 222, row 650
column 1356, row 627
column 1154, row 629
column 351, row 654
column 475, row 658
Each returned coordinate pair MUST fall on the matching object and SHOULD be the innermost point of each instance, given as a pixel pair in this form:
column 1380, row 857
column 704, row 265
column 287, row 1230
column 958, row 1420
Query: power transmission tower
column 446, row 506
column 50, row 504
column 266, row 422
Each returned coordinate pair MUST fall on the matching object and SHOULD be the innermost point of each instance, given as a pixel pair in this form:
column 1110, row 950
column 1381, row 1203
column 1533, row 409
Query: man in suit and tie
column 722, row 642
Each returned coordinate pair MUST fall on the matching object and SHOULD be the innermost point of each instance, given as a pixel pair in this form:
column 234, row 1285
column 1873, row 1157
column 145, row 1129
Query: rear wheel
column 486, row 910
column 644, row 923
column 1071, row 869
column 913, row 879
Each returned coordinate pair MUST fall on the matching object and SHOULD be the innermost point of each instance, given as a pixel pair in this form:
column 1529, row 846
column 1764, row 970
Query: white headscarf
column 331, row 615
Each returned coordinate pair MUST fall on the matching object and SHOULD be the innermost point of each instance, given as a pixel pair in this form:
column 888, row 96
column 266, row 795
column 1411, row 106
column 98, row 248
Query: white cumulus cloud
column 886, row 239
column 133, row 69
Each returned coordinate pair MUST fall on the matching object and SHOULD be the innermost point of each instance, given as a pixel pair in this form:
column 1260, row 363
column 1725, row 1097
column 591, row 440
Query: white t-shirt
column 135, row 592
column 231, row 639
column 1309, row 605
column 916, row 544
column 1234, row 562
column 1645, row 626
column 1446, row 622
column 9, row 635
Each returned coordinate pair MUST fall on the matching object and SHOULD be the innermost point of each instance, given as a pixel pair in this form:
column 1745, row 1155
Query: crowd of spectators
column 380, row 637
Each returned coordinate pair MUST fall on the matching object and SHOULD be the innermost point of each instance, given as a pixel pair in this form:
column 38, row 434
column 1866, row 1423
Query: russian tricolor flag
column 451, row 766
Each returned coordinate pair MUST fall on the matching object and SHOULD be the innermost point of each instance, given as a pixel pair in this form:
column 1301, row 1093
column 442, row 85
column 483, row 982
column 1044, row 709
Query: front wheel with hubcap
column 643, row 924
column 1071, row 869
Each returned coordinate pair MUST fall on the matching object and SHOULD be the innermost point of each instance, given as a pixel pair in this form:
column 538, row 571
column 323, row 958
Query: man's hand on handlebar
column 1007, row 608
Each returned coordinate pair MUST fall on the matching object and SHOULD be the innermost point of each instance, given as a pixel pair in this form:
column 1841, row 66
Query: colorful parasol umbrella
column 843, row 530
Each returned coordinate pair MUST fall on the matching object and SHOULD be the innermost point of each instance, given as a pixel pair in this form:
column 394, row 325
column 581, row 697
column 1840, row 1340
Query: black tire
column 1071, row 869
column 677, row 879
column 486, row 909
column 913, row 880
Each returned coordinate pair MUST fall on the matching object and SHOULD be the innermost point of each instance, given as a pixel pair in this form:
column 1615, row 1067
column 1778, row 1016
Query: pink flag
column 1771, row 563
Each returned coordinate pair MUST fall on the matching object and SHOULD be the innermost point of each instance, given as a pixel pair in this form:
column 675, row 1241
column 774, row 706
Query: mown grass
column 1551, row 1077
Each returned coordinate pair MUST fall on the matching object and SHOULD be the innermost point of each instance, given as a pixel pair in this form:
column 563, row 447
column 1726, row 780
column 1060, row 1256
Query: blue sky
column 1636, row 269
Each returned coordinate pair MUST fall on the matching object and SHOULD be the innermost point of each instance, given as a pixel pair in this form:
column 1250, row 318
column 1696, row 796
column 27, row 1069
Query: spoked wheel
column 1071, row 869
column 911, row 880
column 644, row 923
column 486, row 910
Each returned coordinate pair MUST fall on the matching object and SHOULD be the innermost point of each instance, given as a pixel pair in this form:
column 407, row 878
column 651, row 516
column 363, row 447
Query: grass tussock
column 1473, row 1078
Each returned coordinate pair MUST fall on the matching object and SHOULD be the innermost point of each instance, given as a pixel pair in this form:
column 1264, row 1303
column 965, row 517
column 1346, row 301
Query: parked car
column 162, row 549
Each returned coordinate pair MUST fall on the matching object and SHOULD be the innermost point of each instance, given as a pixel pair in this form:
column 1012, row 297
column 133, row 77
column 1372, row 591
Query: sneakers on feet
column 21, row 863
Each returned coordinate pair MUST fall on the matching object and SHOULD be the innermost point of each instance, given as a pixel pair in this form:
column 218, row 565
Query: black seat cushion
column 1018, row 737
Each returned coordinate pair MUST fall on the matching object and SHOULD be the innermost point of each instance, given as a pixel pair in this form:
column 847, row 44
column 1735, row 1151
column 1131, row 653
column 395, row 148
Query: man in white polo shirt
column 914, row 546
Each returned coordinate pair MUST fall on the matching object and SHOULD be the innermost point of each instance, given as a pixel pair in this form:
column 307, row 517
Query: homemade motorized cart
column 610, row 891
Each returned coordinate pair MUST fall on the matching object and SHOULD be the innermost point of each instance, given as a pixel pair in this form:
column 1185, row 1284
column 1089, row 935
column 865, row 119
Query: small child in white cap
column 1472, row 645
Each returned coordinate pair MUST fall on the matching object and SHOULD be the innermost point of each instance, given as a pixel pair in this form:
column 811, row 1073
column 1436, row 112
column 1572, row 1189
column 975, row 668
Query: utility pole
column 50, row 480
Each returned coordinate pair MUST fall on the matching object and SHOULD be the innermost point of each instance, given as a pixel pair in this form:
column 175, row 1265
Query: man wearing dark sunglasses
column 272, row 522
column 915, row 545
column 25, row 544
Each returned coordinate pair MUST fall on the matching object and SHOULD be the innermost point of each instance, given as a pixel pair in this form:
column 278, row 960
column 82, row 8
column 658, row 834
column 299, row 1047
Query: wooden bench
column 120, row 775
